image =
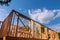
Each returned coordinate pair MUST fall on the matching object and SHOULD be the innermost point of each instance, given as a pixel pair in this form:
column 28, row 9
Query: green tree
column 59, row 34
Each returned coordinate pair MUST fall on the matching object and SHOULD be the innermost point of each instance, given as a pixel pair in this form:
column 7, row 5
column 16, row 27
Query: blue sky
column 46, row 12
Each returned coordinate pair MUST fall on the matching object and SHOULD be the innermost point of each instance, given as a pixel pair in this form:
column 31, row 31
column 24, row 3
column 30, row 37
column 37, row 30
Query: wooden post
column 51, row 35
column 32, row 28
column 29, row 25
column 4, row 38
column 46, row 32
column 17, row 26
column 39, row 28
column 56, row 35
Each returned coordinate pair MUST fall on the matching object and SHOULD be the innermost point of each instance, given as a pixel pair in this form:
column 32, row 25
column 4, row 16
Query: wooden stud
column 4, row 38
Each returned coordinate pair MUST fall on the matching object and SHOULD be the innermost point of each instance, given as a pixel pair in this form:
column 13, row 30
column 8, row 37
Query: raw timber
column 17, row 26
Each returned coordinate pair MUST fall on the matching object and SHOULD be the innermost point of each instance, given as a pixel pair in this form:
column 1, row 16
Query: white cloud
column 58, row 15
column 45, row 15
column 20, row 9
column 3, row 14
column 56, row 27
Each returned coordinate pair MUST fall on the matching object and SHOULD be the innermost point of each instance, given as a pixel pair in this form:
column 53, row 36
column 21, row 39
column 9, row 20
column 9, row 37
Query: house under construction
column 17, row 26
